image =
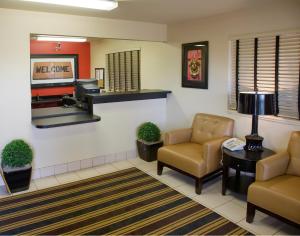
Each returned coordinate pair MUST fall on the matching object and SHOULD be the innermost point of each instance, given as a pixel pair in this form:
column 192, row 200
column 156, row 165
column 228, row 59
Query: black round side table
column 240, row 161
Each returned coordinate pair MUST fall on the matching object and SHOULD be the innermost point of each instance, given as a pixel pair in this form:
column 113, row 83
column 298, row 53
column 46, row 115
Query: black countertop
column 44, row 118
column 41, row 113
column 60, row 116
column 127, row 96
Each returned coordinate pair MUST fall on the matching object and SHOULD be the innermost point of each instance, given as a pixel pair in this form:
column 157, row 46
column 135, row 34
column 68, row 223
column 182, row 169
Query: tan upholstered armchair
column 276, row 190
column 196, row 151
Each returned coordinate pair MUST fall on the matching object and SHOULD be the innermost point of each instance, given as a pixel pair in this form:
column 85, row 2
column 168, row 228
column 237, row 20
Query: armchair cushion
column 187, row 157
column 178, row 136
column 212, row 153
column 272, row 166
column 207, row 127
column 280, row 195
column 294, row 151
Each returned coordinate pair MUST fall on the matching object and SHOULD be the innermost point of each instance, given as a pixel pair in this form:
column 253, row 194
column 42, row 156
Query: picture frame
column 195, row 65
column 53, row 70
column 100, row 76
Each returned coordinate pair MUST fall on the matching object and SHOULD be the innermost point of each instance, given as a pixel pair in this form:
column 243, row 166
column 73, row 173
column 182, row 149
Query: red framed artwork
column 195, row 65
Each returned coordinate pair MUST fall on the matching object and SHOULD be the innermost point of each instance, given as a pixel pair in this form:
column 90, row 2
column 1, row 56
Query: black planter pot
column 18, row 180
column 148, row 152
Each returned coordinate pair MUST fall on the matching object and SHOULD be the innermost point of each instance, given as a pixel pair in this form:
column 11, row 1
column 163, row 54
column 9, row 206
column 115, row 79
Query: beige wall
column 65, row 144
column 185, row 102
column 154, row 66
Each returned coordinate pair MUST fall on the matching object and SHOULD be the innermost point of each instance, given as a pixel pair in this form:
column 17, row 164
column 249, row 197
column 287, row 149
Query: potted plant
column 16, row 164
column 148, row 141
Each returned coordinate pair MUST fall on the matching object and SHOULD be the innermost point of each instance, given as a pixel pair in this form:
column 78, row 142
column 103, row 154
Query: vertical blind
column 123, row 70
column 271, row 64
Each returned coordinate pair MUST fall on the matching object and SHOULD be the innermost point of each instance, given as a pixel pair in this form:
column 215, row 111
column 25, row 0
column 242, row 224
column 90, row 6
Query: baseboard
column 81, row 164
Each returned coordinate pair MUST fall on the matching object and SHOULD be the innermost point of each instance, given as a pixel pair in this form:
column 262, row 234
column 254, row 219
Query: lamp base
column 253, row 143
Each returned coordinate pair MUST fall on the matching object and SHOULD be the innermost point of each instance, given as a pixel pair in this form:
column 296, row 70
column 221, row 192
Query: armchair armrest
column 178, row 136
column 212, row 153
column 272, row 166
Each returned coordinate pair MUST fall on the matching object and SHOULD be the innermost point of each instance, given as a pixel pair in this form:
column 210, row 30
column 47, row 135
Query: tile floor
column 231, row 206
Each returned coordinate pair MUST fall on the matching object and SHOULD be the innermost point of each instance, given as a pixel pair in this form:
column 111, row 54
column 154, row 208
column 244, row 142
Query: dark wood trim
column 237, row 68
column 251, row 213
column 277, row 74
column 198, row 181
column 255, row 63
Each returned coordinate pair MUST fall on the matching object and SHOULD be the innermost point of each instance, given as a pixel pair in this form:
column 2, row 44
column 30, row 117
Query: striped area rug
column 127, row 202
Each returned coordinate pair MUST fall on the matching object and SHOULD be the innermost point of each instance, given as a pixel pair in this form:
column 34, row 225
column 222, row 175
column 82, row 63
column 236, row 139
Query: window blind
column 124, row 70
column 268, row 63
column 289, row 59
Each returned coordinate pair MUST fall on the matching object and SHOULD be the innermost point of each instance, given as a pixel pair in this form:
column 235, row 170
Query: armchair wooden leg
column 250, row 212
column 160, row 167
column 198, row 183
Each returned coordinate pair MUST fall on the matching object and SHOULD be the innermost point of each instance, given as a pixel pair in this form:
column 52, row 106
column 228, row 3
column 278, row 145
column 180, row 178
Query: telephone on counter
column 234, row 144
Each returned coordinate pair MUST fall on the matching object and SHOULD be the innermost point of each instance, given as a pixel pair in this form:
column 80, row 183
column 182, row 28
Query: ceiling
column 157, row 11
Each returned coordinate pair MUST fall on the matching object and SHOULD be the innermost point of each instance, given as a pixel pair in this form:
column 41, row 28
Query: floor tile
column 239, row 199
column 188, row 190
column 46, row 182
column 32, row 187
column 3, row 192
column 137, row 161
column 146, row 166
column 262, row 225
column 286, row 229
column 67, row 178
column 231, row 211
column 105, row 169
column 174, row 181
column 121, row 165
column 87, row 173
column 212, row 198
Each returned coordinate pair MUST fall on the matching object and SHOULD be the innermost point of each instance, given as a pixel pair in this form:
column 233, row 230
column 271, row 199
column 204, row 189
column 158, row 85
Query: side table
column 240, row 161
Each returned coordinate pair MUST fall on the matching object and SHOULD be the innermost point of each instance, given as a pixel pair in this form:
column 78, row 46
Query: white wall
column 65, row 144
column 185, row 102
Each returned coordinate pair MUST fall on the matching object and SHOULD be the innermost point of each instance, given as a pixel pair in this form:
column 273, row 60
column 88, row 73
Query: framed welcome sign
column 195, row 65
column 52, row 70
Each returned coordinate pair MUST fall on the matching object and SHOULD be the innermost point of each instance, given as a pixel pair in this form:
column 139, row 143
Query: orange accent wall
column 84, row 62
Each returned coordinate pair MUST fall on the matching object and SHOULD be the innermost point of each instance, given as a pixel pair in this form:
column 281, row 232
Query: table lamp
column 255, row 104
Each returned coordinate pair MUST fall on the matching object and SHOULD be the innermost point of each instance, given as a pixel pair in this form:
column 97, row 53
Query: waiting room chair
column 196, row 151
column 276, row 190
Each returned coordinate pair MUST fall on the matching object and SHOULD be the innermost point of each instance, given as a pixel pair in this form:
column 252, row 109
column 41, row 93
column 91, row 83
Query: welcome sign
column 53, row 70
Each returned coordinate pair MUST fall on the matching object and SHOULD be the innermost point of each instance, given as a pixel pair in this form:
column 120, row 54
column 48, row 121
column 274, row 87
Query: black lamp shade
column 256, row 103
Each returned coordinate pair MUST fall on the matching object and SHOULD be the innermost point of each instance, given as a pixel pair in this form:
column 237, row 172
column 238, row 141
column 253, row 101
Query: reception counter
column 127, row 96
column 43, row 118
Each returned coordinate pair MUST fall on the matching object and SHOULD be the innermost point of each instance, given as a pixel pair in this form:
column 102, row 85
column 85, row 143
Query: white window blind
column 289, row 59
column 268, row 63
column 124, row 70
column 246, row 65
column 232, row 103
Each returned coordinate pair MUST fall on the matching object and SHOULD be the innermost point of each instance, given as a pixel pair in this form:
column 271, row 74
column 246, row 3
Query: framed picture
column 100, row 76
column 195, row 65
column 53, row 70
